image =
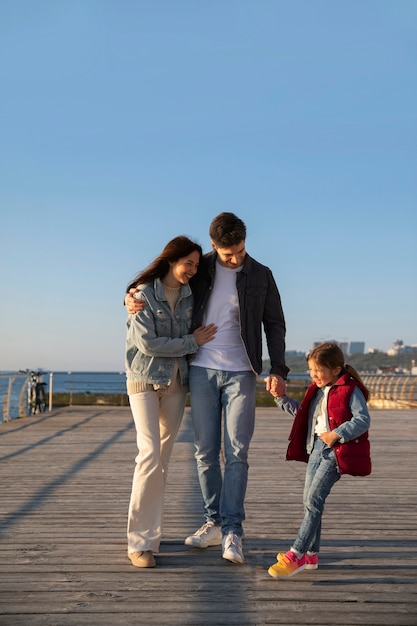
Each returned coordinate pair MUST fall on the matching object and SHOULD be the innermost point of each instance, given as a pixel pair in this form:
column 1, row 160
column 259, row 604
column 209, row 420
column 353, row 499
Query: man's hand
column 132, row 304
column 276, row 385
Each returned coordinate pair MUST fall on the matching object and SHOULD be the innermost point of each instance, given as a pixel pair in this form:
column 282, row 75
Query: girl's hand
column 204, row 334
column 132, row 304
column 275, row 385
column 330, row 438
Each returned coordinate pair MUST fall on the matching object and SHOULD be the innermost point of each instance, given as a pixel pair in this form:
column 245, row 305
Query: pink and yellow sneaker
column 312, row 561
column 287, row 565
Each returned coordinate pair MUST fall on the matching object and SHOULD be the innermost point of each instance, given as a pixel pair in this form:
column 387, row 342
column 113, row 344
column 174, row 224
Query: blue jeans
column 322, row 473
column 215, row 393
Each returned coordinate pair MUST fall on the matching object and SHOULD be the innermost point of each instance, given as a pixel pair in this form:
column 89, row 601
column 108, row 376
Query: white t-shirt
column 321, row 413
column 226, row 351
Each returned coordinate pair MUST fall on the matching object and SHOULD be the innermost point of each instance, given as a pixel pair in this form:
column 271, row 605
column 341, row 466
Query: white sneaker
column 232, row 548
column 210, row 534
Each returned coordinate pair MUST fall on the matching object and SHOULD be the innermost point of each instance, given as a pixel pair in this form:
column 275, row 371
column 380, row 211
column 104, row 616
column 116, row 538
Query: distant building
column 357, row 347
column 344, row 346
column 398, row 347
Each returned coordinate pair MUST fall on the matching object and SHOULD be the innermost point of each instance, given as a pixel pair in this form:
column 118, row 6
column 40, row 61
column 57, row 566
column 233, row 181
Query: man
column 238, row 295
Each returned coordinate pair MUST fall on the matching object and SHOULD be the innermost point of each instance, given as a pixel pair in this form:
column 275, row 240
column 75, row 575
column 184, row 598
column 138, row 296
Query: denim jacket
column 156, row 338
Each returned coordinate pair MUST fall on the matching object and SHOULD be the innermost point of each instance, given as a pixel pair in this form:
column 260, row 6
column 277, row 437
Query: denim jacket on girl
column 156, row 337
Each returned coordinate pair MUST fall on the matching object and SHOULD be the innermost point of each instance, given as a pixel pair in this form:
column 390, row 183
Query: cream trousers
column 157, row 416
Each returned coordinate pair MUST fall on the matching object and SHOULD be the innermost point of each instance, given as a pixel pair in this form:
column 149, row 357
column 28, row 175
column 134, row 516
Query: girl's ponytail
column 352, row 372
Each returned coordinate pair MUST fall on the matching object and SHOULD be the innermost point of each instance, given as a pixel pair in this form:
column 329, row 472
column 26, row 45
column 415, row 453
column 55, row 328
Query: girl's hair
column 227, row 230
column 176, row 249
column 330, row 355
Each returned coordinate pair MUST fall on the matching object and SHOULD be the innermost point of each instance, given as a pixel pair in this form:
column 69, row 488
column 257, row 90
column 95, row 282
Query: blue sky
column 125, row 123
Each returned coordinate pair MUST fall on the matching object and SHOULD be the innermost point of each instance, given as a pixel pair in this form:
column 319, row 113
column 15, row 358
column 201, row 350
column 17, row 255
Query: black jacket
column 259, row 303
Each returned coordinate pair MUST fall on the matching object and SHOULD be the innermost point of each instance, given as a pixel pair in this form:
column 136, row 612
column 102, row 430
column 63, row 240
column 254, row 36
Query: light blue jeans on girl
column 321, row 474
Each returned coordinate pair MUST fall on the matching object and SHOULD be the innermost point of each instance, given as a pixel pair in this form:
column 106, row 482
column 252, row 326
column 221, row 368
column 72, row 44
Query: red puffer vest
column 353, row 457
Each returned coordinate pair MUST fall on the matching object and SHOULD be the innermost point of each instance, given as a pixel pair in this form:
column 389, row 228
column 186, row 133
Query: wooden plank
column 65, row 478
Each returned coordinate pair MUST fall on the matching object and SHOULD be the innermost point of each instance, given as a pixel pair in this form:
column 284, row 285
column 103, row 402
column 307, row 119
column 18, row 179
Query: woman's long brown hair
column 176, row 249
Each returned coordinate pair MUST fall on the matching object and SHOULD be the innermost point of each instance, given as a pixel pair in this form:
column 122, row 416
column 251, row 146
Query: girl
column 157, row 344
column 330, row 432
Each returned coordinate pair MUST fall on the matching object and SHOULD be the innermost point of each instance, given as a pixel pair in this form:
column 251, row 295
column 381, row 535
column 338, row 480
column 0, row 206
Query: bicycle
column 36, row 394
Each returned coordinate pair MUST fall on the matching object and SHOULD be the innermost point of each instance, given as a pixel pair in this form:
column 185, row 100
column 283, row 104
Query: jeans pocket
column 329, row 453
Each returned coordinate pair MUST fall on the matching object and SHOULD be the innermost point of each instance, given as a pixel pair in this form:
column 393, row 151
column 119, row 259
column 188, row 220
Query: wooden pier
column 65, row 484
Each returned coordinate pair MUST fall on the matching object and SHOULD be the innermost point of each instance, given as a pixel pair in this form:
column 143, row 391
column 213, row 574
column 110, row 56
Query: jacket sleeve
column 274, row 327
column 288, row 405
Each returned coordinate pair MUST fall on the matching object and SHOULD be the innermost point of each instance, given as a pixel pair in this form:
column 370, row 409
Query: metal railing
column 18, row 391
column 61, row 388
column 13, row 389
column 391, row 391
column 387, row 391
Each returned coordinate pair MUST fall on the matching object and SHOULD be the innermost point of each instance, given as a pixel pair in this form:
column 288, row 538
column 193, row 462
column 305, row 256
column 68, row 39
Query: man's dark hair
column 227, row 230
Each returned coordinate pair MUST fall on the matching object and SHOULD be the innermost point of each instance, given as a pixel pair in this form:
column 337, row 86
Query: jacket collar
column 185, row 290
column 211, row 258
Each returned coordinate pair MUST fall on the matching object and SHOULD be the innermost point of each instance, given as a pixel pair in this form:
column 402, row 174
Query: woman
column 157, row 344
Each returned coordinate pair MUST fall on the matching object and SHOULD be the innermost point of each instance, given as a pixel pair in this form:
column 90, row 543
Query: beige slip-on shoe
column 142, row 559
